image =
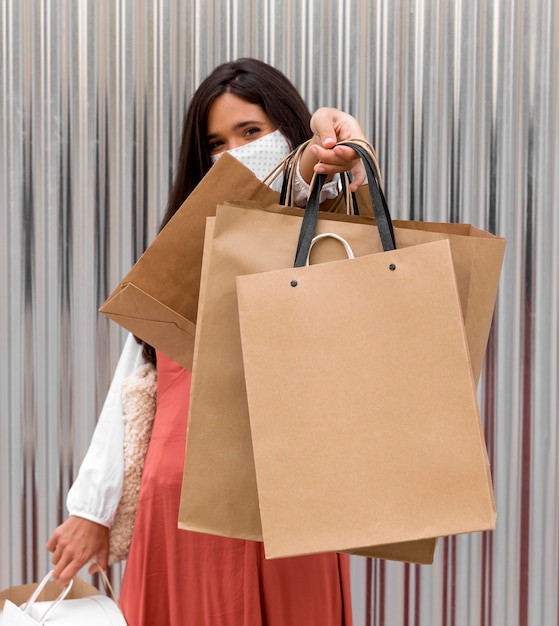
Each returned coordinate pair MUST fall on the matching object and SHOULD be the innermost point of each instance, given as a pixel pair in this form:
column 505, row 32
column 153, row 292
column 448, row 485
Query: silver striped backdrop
column 461, row 99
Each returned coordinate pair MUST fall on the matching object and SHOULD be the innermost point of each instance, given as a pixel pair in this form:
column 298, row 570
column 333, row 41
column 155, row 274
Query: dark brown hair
column 253, row 81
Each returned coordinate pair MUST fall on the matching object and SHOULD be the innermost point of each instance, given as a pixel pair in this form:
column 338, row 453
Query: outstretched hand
column 323, row 156
column 75, row 543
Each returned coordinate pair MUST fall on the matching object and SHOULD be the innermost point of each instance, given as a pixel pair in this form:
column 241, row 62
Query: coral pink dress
column 179, row 578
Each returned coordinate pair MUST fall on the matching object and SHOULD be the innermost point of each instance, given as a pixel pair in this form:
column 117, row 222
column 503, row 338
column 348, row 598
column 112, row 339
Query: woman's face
column 234, row 122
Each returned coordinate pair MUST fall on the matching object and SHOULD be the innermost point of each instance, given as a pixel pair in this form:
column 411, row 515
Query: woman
column 173, row 576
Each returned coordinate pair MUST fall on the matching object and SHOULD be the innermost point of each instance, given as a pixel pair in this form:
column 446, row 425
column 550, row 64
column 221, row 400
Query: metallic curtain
column 461, row 99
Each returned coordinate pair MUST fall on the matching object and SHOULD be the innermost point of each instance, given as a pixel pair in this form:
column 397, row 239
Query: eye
column 253, row 130
column 216, row 146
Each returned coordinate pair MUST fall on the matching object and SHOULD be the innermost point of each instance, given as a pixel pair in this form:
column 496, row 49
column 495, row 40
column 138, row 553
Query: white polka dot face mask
column 262, row 155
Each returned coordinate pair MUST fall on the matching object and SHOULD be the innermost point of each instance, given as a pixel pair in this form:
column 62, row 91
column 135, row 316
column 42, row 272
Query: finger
column 359, row 176
column 331, row 163
column 332, row 125
column 102, row 558
column 323, row 128
column 334, row 168
column 68, row 562
column 61, row 564
column 345, row 153
column 51, row 543
column 69, row 572
column 56, row 554
column 69, row 565
column 328, row 139
column 341, row 156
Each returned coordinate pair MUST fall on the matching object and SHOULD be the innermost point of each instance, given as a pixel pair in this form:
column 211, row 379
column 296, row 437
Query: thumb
column 327, row 139
column 323, row 126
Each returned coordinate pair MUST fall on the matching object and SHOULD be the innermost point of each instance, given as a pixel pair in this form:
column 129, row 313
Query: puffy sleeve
column 301, row 189
column 97, row 489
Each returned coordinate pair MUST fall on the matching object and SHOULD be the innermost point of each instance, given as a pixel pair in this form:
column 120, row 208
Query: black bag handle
column 380, row 207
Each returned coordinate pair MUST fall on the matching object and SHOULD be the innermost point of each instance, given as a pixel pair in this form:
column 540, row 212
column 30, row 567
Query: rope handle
column 106, row 583
column 345, row 244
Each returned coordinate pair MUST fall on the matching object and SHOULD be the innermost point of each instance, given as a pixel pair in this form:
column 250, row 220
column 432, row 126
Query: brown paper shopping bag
column 157, row 300
column 219, row 488
column 363, row 433
column 478, row 257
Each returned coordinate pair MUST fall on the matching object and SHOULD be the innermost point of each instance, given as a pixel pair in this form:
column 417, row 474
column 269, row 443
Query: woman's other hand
column 76, row 542
column 323, row 156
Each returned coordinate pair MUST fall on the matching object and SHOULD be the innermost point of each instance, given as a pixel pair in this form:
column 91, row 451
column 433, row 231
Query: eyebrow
column 238, row 126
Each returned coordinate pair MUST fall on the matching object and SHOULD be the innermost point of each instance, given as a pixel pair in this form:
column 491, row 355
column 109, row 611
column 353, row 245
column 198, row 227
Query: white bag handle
column 345, row 244
column 38, row 590
column 41, row 613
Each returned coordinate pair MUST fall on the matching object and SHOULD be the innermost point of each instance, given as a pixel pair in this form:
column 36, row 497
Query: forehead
column 228, row 110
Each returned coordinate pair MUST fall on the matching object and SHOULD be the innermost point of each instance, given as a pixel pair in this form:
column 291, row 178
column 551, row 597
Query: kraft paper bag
column 364, row 432
column 478, row 257
column 157, row 300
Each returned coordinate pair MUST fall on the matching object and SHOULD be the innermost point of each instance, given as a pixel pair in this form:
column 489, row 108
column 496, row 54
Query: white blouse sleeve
column 97, row 489
column 301, row 189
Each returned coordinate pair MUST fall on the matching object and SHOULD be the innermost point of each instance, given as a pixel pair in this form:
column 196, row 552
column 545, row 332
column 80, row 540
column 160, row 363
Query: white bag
column 97, row 610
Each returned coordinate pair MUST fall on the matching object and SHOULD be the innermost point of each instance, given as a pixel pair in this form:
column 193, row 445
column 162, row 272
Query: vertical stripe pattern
column 461, row 99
